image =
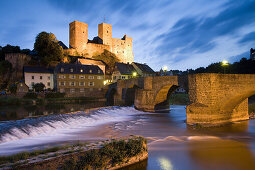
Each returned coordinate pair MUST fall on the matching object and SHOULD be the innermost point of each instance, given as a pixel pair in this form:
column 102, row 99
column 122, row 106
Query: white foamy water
column 35, row 131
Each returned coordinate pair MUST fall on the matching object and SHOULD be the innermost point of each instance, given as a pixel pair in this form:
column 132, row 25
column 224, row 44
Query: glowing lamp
column 224, row 62
column 134, row 74
column 164, row 68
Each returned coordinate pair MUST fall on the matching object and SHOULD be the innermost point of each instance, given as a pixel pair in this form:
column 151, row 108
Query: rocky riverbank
column 109, row 154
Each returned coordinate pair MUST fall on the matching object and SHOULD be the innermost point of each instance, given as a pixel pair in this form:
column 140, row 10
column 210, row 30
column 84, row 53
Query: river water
column 171, row 143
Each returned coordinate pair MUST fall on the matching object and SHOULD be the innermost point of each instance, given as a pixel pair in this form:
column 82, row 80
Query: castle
column 80, row 45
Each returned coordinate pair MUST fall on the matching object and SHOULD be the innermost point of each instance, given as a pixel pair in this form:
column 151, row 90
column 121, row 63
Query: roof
column 125, row 69
column 144, row 68
column 90, row 61
column 38, row 69
column 62, row 45
column 77, row 69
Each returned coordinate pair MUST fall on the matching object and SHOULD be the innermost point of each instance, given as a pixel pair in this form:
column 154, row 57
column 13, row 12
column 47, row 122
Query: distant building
column 22, row 89
column 89, row 61
column 79, row 80
column 36, row 74
column 252, row 54
column 123, row 71
column 143, row 69
column 126, row 71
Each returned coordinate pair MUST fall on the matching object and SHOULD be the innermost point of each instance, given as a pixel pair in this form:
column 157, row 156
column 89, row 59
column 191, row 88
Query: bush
column 55, row 95
column 30, row 95
column 9, row 101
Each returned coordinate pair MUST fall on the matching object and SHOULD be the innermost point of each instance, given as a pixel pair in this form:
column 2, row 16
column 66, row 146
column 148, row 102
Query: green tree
column 108, row 58
column 49, row 51
column 38, row 87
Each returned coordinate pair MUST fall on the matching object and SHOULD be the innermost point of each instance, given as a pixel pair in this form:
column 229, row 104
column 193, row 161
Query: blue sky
column 180, row 34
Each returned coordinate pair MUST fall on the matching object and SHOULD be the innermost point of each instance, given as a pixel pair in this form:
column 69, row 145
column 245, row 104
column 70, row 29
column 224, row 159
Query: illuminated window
column 82, row 83
column 81, row 71
column 91, row 77
column 90, row 71
column 91, row 83
column 72, row 90
column 71, row 70
column 82, row 77
column 62, row 70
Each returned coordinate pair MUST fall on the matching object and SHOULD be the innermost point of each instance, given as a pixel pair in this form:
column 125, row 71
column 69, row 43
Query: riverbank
column 110, row 154
column 11, row 100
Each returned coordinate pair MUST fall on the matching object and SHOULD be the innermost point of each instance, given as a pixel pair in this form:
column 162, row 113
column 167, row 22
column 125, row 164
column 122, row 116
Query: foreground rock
column 111, row 154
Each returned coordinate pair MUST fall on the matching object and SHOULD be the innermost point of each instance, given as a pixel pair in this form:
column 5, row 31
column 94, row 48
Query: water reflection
column 28, row 111
column 221, row 154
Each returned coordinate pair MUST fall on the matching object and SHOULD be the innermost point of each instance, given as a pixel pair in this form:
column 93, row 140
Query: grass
column 26, row 155
column 116, row 151
column 179, row 99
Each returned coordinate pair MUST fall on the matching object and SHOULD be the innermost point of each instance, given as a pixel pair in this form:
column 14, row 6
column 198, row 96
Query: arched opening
column 237, row 106
column 130, row 95
column 110, row 97
column 162, row 102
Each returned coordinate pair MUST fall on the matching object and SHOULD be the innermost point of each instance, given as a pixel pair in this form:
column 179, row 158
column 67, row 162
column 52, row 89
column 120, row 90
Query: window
column 91, row 77
column 62, row 70
column 98, row 71
column 90, row 71
column 48, row 77
column 62, row 90
column 82, row 77
column 41, row 77
column 82, row 83
column 123, row 77
column 33, row 77
column 60, row 76
column 72, row 90
column 99, row 77
column 72, row 83
column 71, row 70
column 114, row 77
column 81, row 70
column 62, row 83
column 64, row 76
column 48, row 83
column 72, row 76
column 82, row 90
column 91, row 83
column 21, row 85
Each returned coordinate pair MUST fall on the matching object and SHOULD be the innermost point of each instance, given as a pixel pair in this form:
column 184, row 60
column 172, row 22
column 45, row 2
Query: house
column 143, row 69
column 123, row 71
column 89, row 61
column 36, row 74
column 126, row 71
column 22, row 89
column 79, row 80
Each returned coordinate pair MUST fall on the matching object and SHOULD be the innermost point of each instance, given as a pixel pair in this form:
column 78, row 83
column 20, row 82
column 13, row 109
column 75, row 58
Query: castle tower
column 78, row 35
column 105, row 33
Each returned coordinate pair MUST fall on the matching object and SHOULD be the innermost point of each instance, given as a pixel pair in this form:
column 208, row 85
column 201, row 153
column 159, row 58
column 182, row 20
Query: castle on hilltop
column 80, row 45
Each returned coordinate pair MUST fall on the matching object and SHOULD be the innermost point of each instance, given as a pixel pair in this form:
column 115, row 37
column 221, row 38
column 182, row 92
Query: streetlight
column 164, row 68
column 224, row 64
column 134, row 74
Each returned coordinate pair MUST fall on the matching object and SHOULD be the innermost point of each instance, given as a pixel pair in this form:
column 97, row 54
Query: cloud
column 179, row 34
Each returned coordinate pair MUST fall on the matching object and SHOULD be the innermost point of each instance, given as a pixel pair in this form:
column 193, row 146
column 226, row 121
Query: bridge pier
column 219, row 98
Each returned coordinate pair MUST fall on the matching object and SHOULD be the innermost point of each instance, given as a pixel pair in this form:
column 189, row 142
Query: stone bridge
column 147, row 93
column 215, row 98
column 219, row 98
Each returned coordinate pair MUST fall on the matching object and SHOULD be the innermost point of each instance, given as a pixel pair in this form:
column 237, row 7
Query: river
column 171, row 143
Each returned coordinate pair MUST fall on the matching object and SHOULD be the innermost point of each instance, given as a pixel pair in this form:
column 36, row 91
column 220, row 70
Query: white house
column 37, row 74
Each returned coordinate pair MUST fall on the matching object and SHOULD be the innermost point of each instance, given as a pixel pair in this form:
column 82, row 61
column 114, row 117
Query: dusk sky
column 179, row 34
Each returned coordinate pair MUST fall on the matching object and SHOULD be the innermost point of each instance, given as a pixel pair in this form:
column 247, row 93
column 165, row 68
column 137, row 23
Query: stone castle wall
column 78, row 42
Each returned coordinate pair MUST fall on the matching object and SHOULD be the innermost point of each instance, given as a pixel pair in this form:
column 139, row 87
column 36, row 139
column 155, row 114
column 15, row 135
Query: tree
column 13, row 88
column 5, row 67
column 49, row 51
column 108, row 58
column 38, row 87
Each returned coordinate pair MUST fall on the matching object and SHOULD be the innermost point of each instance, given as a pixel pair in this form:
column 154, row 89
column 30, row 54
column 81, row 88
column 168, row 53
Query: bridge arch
column 162, row 97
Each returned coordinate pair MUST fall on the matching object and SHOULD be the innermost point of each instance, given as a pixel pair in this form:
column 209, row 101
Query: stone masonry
column 219, row 98
column 80, row 45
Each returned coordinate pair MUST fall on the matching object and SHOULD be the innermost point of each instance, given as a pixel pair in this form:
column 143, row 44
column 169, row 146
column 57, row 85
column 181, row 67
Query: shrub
column 30, row 95
column 55, row 95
